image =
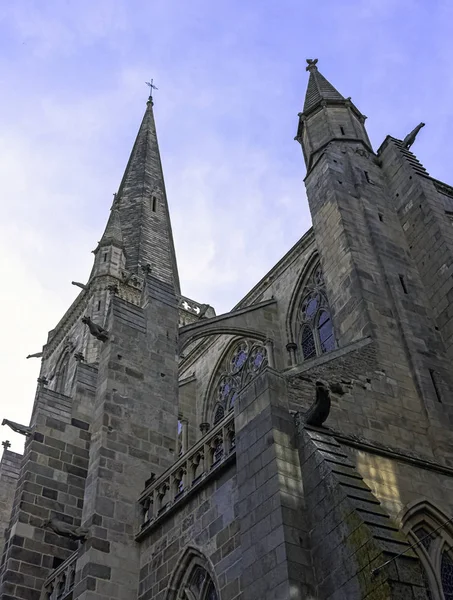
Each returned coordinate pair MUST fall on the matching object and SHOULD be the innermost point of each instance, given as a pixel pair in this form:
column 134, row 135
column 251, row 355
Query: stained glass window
column 243, row 363
column 201, row 586
column 308, row 343
column 424, row 536
column 446, row 575
column 219, row 414
column 436, row 561
column 325, row 331
column 315, row 329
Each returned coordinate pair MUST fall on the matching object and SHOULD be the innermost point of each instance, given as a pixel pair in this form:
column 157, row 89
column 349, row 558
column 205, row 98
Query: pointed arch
column 309, row 323
column 431, row 528
column 210, row 404
column 193, row 578
column 295, row 300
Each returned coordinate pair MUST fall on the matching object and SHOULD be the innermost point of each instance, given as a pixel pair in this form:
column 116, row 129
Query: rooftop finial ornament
column 152, row 87
column 311, row 64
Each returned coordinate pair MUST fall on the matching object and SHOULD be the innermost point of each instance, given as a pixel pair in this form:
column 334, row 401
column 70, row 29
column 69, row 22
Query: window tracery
column 246, row 359
column 314, row 329
column 435, row 552
column 200, row 586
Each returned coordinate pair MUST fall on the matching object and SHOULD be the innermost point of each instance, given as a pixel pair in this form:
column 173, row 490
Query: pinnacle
column 318, row 88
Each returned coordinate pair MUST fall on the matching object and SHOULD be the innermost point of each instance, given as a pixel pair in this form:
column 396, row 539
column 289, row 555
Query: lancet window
column 435, row 550
column 313, row 323
column 245, row 360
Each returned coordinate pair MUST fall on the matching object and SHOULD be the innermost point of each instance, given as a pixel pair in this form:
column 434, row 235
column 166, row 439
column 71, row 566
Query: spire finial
column 152, row 87
column 311, row 64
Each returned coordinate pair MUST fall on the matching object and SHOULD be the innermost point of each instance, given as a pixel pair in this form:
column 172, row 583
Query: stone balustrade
column 60, row 583
column 215, row 448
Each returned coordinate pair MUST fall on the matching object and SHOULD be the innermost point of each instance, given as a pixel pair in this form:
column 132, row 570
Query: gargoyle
column 17, row 427
column 319, row 411
column 99, row 332
column 80, row 285
column 66, row 530
column 36, row 355
column 410, row 138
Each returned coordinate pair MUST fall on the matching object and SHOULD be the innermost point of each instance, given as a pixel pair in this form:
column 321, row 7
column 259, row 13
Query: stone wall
column 350, row 533
column 208, row 522
column 398, row 481
column 366, row 401
column 50, row 487
column 9, row 474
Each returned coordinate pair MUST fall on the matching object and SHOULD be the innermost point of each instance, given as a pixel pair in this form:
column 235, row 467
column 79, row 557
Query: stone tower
column 298, row 446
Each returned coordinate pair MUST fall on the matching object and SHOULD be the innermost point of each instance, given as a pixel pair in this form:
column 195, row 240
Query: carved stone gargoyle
column 319, row 411
column 17, row 427
column 66, row 530
column 99, row 332
column 410, row 138
column 36, row 355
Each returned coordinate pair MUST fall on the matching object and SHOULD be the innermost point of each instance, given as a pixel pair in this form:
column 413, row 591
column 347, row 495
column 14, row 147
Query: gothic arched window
column 435, row 550
column 244, row 361
column 314, row 333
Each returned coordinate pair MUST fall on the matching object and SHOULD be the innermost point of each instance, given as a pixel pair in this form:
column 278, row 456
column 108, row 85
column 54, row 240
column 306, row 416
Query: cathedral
column 298, row 447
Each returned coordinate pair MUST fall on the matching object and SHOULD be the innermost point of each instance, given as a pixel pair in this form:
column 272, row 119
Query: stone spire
column 141, row 203
column 327, row 117
column 318, row 88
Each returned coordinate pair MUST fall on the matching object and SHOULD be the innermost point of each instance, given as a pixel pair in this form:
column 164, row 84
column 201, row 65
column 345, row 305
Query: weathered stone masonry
column 292, row 448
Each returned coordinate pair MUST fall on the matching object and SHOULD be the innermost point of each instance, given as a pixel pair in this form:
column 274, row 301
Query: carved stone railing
column 214, row 449
column 60, row 583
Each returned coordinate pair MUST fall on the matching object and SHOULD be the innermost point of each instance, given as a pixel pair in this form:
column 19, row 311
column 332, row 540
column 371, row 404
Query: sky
column 231, row 78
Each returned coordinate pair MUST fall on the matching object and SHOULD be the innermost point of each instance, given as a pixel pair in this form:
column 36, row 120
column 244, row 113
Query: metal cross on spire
column 152, row 87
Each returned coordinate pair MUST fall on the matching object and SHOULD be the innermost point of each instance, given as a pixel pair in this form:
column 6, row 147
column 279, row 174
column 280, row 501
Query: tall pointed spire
column 327, row 117
column 143, row 210
column 318, row 87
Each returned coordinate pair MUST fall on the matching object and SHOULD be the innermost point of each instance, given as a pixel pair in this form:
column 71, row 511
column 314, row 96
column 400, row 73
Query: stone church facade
column 297, row 447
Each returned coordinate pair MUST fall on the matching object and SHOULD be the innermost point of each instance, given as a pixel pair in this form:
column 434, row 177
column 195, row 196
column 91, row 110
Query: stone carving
column 17, row 427
column 79, row 357
column 36, row 355
column 146, row 268
column 80, row 285
column 203, row 310
column 319, row 411
column 6, row 444
column 410, row 138
column 70, row 344
column 129, row 277
column 113, row 288
column 96, row 330
column 43, row 381
column 66, row 530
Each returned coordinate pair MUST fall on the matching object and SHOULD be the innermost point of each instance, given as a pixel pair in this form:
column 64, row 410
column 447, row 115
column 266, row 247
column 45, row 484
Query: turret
column 327, row 116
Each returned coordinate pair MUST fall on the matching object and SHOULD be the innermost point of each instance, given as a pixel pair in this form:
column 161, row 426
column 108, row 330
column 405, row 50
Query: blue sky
column 231, row 77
